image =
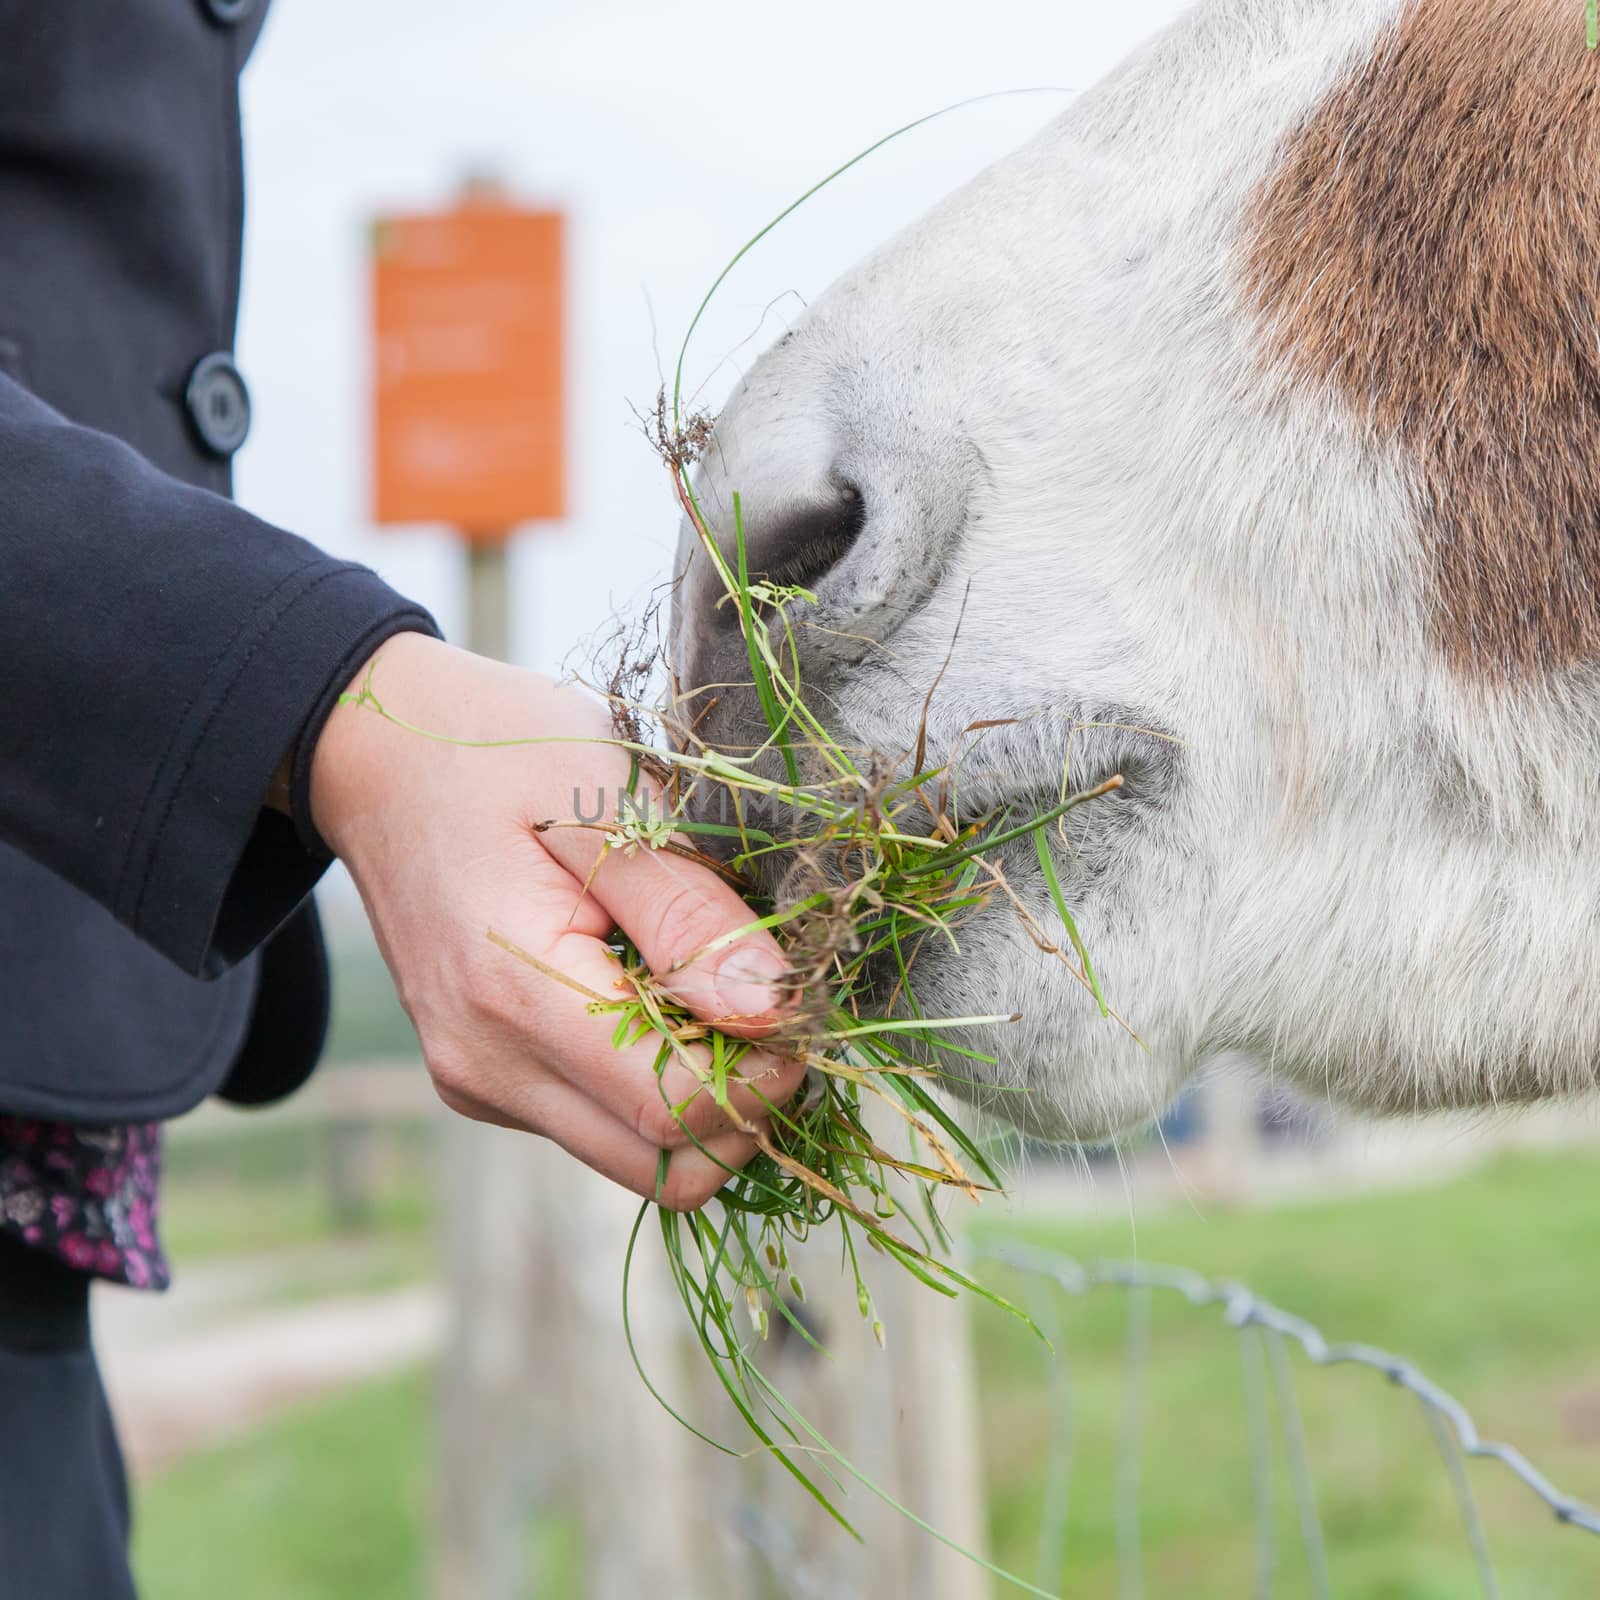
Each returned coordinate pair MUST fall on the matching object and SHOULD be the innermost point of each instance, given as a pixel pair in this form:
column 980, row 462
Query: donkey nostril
column 799, row 546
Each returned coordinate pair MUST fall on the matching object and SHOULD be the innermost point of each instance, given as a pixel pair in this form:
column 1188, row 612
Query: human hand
column 441, row 841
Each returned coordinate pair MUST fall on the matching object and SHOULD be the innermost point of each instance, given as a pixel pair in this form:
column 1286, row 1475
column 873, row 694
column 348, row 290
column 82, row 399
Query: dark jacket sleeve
column 162, row 651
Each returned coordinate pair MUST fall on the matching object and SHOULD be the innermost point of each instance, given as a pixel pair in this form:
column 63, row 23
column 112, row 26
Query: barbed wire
column 1245, row 1311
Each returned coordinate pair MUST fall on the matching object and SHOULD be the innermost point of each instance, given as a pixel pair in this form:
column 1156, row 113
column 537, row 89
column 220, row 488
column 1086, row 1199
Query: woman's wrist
column 358, row 757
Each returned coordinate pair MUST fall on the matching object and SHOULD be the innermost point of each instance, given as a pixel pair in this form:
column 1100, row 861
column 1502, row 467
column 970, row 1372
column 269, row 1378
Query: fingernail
column 752, row 982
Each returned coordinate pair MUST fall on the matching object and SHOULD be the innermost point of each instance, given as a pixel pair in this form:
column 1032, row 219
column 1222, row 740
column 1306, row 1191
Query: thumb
column 686, row 921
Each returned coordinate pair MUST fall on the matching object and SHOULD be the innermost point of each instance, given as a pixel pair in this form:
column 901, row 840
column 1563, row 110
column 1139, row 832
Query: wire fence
column 1273, row 1430
column 1265, row 1333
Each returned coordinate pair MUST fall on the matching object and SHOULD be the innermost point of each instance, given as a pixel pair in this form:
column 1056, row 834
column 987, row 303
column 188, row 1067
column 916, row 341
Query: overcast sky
column 670, row 133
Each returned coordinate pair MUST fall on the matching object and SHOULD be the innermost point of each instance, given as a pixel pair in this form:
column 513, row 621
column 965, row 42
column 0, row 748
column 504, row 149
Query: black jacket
column 160, row 649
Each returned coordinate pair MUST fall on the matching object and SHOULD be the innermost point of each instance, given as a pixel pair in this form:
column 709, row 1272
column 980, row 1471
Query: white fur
column 1383, row 882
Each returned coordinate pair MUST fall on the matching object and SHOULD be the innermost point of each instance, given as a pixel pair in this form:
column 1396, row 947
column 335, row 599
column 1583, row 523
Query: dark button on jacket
column 163, row 649
column 230, row 12
column 219, row 404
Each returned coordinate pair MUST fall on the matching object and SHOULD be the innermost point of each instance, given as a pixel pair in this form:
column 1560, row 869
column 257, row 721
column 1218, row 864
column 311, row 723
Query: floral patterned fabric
column 87, row 1195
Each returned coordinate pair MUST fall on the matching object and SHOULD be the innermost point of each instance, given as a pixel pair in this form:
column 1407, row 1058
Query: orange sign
column 467, row 380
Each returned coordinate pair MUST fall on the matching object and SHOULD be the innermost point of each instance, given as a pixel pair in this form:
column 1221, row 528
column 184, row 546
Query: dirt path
column 208, row 1360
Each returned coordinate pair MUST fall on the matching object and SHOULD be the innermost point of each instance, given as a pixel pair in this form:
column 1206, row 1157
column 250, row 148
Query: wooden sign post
column 469, row 430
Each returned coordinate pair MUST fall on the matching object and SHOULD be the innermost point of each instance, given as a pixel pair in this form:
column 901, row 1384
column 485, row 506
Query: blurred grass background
column 1486, row 1281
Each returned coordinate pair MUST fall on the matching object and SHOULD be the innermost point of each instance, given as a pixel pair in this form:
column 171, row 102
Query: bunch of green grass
column 876, row 861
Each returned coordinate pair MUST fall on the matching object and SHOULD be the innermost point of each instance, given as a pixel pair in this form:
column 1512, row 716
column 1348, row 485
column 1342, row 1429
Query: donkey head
column 1247, row 422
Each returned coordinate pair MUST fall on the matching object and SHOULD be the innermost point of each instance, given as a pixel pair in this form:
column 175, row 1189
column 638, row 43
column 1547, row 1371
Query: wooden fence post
column 496, row 1250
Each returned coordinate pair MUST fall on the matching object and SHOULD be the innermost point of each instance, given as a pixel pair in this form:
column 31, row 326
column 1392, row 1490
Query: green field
column 329, row 1503
column 1489, row 1283
column 264, row 1188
